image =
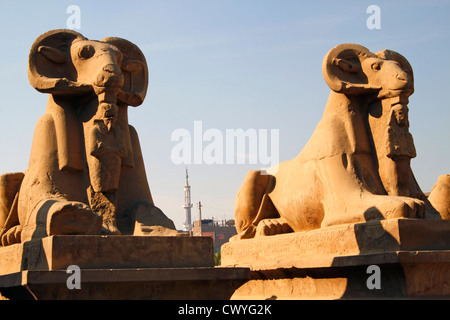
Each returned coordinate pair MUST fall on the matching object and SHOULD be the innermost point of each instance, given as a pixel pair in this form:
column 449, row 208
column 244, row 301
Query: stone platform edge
column 369, row 241
column 107, row 252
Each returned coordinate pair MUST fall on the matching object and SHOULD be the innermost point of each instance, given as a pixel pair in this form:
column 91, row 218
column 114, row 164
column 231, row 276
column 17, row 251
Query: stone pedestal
column 412, row 256
column 116, row 267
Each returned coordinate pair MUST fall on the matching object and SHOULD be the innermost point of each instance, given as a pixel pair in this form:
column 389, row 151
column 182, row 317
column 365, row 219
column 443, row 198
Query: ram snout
column 109, row 77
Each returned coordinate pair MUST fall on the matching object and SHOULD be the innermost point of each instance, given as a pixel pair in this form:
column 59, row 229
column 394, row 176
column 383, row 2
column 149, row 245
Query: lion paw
column 407, row 208
column 11, row 236
column 71, row 217
column 269, row 227
column 396, row 207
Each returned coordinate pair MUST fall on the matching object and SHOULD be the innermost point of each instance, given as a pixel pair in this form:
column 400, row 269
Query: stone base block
column 201, row 283
column 107, row 252
column 116, row 267
column 411, row 259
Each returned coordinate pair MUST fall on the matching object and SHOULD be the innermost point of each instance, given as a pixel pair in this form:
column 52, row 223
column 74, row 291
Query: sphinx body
column 356, row 165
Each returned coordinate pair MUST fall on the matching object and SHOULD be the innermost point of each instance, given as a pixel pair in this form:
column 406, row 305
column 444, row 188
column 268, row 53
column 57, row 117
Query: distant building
column 220, row 231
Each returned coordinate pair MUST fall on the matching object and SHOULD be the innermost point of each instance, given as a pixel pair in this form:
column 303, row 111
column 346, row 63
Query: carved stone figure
column 356, row 165
column 86, row 173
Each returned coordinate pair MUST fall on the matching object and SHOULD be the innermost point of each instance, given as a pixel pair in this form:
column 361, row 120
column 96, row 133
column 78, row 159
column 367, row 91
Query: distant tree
column 217, row 257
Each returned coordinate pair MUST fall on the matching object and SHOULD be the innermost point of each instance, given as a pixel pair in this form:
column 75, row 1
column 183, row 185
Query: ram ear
column 50, row 67
column 53, row 54
column 342, row 69
column 404, row 63
column 135, row 72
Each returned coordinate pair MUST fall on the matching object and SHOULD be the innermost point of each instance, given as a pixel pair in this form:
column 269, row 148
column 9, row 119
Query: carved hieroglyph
column 86, row 173
column 356, row 165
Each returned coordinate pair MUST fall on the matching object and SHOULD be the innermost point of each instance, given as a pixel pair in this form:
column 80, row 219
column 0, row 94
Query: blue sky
column 232, row 64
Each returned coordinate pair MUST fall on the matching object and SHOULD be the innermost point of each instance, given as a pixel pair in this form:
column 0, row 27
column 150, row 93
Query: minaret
column 187, row 204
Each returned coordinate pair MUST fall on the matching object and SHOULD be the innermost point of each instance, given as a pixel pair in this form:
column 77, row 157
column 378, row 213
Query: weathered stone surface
column 107, row 252
column 310, row 227
column 202, row 283
column 140, row 230
column 331, row 263
column 84, row 199
column 403, row 275
column 440, row 196
column 117, row 267
column 307, row 248
column 86, row 173
column 355, row 166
